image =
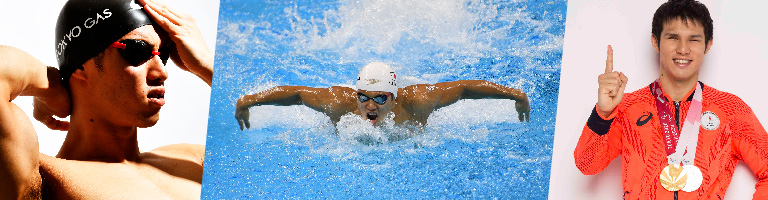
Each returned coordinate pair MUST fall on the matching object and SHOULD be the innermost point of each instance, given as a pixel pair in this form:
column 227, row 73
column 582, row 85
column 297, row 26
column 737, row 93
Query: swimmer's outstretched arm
column 23, row 75
column 324, row 100
column 480, row 89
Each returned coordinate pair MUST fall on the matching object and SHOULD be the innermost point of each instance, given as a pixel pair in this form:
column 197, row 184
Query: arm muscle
column 20, row 74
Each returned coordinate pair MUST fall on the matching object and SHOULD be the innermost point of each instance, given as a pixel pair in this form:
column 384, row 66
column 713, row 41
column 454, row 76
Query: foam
column 405, row 34
column 354, row 136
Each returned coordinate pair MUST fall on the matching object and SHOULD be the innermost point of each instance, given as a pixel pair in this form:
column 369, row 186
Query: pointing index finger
column 609, row 60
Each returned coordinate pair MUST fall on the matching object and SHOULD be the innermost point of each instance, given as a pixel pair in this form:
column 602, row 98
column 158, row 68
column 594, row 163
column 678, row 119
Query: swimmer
column 111, row 57
column 678, row 137
column 377, row 96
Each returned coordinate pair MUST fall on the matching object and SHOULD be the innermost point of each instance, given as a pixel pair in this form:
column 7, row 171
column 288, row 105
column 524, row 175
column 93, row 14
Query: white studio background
column 30, row 26
column 737, row 63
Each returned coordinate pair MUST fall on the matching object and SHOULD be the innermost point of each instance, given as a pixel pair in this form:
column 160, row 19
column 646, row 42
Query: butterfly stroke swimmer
column 378, row 96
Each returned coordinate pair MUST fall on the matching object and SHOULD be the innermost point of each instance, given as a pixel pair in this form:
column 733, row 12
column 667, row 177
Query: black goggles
column 136, row 52
column 380, row 99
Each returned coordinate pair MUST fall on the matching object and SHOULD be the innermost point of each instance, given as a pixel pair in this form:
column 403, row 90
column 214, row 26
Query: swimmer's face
column 372, row 110
column 681, row 50
column 124, row 94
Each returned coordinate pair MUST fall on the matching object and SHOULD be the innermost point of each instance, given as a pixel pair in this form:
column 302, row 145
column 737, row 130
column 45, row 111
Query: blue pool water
column 472, row 149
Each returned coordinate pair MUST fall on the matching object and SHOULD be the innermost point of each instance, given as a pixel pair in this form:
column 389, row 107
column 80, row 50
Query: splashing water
column 354, row 128
column 471, row 149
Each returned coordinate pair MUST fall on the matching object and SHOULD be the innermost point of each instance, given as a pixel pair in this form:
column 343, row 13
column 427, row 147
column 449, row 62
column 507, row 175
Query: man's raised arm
column 480, row 89
column 21, row 74
column 601, row 138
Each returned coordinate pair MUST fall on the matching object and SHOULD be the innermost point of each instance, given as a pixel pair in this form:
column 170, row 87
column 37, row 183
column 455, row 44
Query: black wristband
column 597, row 124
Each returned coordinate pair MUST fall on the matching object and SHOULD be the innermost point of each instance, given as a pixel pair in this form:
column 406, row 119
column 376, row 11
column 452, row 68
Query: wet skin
column 371, row 110
column 413, row 103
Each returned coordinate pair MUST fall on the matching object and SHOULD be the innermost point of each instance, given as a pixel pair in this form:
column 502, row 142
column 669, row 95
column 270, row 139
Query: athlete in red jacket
column 651, row 127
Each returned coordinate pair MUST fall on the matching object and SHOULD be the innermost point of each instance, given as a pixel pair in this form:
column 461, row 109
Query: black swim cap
column 87, row 27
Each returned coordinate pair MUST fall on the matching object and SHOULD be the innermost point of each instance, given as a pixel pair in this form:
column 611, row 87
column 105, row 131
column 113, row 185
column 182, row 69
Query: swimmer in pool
column 377, row 96
column 113, row 75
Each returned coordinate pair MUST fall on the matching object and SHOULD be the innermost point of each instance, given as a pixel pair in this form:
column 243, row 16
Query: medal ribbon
column 676, row 151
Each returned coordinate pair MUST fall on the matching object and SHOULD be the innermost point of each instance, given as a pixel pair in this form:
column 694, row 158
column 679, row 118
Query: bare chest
column 64, row 179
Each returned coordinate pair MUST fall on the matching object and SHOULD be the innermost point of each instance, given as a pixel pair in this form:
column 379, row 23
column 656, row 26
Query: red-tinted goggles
column 136, row 52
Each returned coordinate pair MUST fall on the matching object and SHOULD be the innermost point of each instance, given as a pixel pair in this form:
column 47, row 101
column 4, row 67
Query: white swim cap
column 377, row 76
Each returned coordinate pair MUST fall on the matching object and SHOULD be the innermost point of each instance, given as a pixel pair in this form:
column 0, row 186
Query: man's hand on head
column 190, row 52
column 53, row 101
column 611, row 87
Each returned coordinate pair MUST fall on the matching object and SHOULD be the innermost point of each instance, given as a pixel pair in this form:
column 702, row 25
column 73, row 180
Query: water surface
column 472, row 149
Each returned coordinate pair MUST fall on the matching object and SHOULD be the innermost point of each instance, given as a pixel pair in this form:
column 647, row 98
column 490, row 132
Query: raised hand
column 190, row 52
column 55, row 101
column 24, row 75
column 611, row 87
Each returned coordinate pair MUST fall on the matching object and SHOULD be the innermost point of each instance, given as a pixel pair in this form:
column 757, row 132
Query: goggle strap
column 121, row 45
column 118, row 45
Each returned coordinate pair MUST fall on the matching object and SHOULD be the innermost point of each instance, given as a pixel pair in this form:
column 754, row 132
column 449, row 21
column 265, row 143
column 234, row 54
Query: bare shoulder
column 337, row 95
column 418, row 92
column 181, row 149
column 419, row 97
column 191, row 152
column 463, row 82
column 180, row 160
column 339, row 90
column 333, row 92
column 165, row 174
column 332, row 89
column 338, row 101
column 418, row 89
column 442, row 86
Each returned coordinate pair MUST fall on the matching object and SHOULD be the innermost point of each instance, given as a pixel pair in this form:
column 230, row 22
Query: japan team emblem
column 709, row 120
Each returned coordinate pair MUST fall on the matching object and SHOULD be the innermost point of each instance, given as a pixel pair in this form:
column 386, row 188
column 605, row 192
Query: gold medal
column 672, row 177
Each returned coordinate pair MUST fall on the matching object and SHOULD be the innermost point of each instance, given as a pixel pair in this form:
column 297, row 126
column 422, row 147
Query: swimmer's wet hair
column 685, row 10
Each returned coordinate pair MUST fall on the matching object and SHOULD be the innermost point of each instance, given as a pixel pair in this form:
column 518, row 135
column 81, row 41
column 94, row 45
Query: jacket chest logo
column 643, row 119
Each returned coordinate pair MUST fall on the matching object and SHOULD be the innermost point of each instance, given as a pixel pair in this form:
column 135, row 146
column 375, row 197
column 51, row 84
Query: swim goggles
column 380, row 99
column 137, row 52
